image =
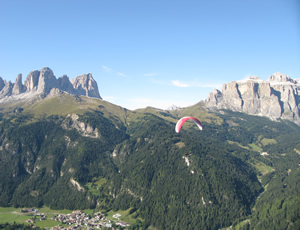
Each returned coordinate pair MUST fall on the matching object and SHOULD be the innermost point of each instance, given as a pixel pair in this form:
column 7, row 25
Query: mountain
column 43, row 82
column 70, row 151
column 278, row 97
column 173, row 107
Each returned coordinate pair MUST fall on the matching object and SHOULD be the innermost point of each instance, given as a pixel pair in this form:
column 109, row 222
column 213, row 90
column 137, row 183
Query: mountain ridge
column 276, row 98
column 43, row 82
column 52, row 148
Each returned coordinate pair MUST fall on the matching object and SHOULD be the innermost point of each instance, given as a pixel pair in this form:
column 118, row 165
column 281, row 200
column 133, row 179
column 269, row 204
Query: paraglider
column 184, row 119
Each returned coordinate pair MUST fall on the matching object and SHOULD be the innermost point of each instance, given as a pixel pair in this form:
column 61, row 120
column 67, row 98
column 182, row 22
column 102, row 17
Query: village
column 78, row 220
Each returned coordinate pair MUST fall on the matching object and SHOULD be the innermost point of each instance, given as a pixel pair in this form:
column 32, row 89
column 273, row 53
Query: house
column 123, row 224
column 35, row 210
column 43, row 218
column 31, row 220
column 77, row 212
column 108, row 225
column 29, row 210
column 117, row 216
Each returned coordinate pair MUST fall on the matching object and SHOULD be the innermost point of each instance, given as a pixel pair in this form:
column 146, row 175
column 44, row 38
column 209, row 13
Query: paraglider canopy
column 184, row 119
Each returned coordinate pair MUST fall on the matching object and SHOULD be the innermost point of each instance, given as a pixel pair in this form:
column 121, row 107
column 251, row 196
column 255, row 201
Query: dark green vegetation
column 14, row 226
column 109, row 158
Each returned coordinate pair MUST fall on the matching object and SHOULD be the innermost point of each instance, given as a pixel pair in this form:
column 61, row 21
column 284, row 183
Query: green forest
column 140, row 163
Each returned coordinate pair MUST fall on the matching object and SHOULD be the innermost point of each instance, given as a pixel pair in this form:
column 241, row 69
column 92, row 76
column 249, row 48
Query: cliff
column 278, row 97
column 43, row 82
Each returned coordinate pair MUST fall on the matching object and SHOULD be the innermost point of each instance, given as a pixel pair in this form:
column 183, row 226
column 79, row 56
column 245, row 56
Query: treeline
column 15, row 226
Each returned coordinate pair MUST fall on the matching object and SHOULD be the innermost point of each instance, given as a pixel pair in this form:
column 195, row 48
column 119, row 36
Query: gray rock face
column 6, row 90
column 65, row 84
column 32, row 80
column 278, row 77
column 2, row 83
column 278, row 97
column 47, row 80
column 44, row 82
column 85, row 85
column 18, row 87
column 173, row 107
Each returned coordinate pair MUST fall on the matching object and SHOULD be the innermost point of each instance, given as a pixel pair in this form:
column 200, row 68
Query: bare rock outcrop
column 83, row 128
column 2, row 83
column 18, row 87
column 65, row 84
column 32, row 80
column 278, row 97
column 278, row 78
column 44, row 83
column 6, row 90
column 288, row 90
column 85, row 85
column 47, row 80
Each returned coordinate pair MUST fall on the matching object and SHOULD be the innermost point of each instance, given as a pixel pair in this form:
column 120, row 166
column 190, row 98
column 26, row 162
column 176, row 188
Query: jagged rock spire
column 44, row 81
column 86, row 85
column 18, row 87
column 32, row 80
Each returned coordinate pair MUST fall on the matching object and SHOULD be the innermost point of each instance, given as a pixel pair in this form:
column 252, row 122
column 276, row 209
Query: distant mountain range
column 44, row 82
column 276, row 98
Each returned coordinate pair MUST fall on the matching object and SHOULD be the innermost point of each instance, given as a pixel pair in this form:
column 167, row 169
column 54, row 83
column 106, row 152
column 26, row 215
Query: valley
column 62, row 219
column 72, row 152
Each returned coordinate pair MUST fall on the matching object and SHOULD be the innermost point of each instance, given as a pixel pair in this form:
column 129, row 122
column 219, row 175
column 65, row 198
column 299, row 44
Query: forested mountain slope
column 205, row 190
column 92, row 154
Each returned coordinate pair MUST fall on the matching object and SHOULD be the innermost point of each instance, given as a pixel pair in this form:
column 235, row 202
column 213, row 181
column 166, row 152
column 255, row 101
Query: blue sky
column 151, row 52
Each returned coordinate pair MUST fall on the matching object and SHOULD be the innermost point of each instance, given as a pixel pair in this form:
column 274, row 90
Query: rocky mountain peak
column 65, row 84
column 43, row 82
column 2, row 83
column 18, row 87
column 279, row 77
column 32, row 80
column 47, row 80
column 86, row 85
column 173, row 107
column 278, row 97
column 6, row 90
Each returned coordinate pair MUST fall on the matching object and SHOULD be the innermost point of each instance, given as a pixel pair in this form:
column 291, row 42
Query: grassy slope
column 65, row 104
